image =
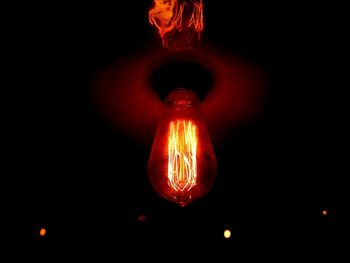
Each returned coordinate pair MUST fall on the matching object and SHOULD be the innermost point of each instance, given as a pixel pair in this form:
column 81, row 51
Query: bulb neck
column 181, row 98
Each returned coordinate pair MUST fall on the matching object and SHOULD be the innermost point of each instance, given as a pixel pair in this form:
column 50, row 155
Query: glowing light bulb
column 42, row 232
column 227, row 233
column 182, row 164
column 179, row 22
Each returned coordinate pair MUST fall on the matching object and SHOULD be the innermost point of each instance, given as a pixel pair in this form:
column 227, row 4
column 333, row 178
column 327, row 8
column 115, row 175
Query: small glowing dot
column 227, row 233
column 142, row 218
column 324, row 212
column 42, row 232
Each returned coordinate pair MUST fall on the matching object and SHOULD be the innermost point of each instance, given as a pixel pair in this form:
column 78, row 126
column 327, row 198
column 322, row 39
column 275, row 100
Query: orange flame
column 179, row 22
column 182, row 155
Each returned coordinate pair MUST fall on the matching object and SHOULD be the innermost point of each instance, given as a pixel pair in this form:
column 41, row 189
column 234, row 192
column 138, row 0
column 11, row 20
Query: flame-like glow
column 182, row 155
column 179, row 22
column 42, row 232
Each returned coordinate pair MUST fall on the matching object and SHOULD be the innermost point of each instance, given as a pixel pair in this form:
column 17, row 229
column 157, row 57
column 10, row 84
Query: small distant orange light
column 42, row 232
column 227, row 233
column 324, row 212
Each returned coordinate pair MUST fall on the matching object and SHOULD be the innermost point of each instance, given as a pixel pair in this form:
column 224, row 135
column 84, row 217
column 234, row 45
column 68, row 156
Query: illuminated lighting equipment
column 179, row 22
column 182, row 164
column 42, row 232
column 227, row 233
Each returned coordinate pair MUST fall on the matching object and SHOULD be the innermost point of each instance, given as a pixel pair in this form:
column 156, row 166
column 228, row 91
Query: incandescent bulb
column 179, row 23
column 182, row 164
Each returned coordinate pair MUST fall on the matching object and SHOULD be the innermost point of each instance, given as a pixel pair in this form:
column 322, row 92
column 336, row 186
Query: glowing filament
column 174, row 16
column 182, row 155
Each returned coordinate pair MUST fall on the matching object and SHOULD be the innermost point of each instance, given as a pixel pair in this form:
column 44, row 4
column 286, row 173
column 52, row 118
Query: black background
column 87, row 184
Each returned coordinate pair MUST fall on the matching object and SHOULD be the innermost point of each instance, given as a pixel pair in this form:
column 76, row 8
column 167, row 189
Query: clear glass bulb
column 182, row 165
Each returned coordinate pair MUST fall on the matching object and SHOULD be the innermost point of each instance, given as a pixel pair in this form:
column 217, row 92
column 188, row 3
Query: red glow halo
column 123, row 93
